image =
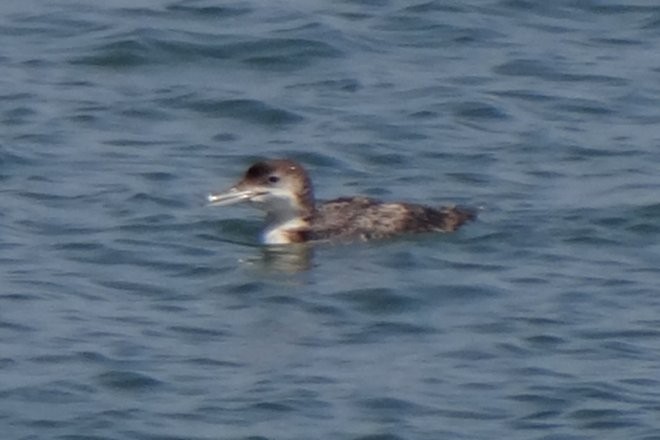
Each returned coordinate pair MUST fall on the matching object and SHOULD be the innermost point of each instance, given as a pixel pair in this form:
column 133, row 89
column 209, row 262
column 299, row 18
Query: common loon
column 282, row 188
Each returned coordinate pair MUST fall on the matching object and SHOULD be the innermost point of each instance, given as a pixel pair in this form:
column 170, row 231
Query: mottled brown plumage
column 365, row 219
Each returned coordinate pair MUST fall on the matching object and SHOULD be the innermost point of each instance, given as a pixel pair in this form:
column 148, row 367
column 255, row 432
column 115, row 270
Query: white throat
column 282, row 216
column 277, row 233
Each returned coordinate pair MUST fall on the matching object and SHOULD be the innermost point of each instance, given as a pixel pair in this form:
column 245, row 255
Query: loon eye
column 273, row 179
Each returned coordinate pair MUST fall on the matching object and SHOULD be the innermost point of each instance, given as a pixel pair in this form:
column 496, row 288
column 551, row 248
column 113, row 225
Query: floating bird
column 282, row 188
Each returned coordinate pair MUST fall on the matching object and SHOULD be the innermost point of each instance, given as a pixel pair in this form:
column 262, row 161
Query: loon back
column 365, row 219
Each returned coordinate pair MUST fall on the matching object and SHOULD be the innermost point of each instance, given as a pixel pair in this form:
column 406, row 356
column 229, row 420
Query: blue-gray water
column 128, row 310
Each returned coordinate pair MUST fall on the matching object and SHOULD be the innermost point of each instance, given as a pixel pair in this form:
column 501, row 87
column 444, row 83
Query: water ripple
column 148, row 47
column 248, row 110
column 128, row 381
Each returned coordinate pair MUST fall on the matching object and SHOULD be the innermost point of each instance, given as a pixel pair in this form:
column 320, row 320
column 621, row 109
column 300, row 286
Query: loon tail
column 456, row 216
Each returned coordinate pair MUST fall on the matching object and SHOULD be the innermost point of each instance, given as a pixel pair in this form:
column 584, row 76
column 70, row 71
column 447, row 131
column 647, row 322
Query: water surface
column 128, row 310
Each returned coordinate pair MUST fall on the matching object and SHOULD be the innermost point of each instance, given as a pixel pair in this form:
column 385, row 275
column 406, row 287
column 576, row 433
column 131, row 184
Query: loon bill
column 283, row 189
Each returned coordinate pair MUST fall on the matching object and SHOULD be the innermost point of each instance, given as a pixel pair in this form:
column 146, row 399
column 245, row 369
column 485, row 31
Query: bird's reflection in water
column 286, row 259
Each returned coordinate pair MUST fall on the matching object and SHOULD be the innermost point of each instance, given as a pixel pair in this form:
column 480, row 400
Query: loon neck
column 285, row 231
column 288, row 221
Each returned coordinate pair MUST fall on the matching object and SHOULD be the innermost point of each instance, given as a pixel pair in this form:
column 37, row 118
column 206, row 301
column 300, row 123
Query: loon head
column 282, row 189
